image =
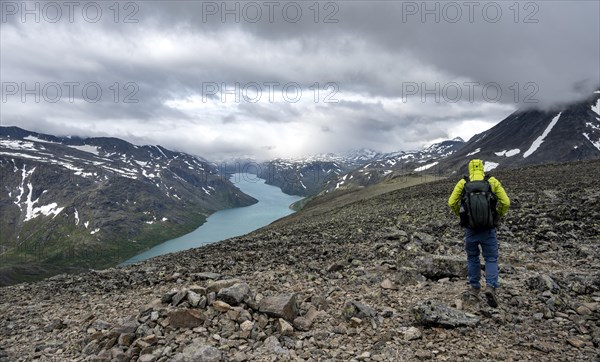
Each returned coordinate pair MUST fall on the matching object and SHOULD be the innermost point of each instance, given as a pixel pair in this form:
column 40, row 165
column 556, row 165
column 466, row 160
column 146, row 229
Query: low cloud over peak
column 291, row 78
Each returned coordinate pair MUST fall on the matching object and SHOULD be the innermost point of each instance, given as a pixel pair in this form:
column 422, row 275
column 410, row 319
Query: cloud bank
column 284, row 79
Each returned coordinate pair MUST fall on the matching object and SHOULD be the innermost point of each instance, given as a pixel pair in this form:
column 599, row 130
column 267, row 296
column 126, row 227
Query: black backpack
column 478, row 205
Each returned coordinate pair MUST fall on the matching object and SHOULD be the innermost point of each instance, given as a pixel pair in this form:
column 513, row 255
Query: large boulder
column 280, row 306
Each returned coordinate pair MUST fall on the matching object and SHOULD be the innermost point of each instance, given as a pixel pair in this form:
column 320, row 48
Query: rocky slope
column 90, row 203
column 375, row 279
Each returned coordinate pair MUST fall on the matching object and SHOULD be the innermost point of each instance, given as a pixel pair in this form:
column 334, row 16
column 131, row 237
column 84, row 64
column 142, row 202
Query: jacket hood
column 476, row 170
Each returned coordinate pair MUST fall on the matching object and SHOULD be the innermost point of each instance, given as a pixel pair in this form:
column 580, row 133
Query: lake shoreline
column 272, row 205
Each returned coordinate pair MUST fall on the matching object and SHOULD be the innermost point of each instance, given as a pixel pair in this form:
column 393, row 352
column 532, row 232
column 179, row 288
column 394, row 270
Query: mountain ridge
column 92, row 202
column 567, row 133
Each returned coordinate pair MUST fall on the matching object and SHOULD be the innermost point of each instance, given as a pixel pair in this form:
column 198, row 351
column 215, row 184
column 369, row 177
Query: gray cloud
column 377, row 61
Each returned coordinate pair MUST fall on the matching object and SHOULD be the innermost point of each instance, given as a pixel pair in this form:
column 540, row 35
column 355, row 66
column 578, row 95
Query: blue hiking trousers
column 486, row 239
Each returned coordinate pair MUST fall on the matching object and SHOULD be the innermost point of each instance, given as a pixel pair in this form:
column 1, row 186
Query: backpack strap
column 466, row 178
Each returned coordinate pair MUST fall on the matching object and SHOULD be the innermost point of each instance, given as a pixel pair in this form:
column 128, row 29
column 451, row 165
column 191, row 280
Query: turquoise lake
column 272, row 205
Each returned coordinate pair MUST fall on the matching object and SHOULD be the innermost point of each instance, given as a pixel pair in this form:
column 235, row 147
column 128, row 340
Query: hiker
column 480, row 201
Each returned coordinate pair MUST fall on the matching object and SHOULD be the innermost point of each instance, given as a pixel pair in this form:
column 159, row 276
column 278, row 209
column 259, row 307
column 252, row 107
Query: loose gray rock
column 202, row 302
column 127, row 327
column 302, row 323
column 581, row 283
column 234, row 294
column 186, row 318
column 280, row 306
column 284, row 328
column 210, row 298
column 178, row 297
column 54, row 324
column 441, row 266
column 412, row 333
column 407, row 276
column 147, row 358
column 433, row 312
column 272, row 345
column 353, row 308
column 193, row 298
column 168, row 296
column 543, row 282
column 100, row 324
column 337, row 266
column 216, row 286
column 206, row 276
column 198, row 351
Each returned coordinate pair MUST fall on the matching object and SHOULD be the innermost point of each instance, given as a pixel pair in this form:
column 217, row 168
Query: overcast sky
column 284, row 79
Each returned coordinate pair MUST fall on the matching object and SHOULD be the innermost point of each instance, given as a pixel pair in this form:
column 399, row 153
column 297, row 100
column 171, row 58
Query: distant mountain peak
column 533, row 136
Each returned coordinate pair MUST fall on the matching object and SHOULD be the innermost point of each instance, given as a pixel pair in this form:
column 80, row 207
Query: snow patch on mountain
column 46, row 210
column 596, row 107
column 488, row 165
column 508, row 153
column 474, row 152
column 18, row 145
column 24, row 175
column 87, row 148
column 593, row 126
column 594, row 143
column 425, row 167
column 538, row 141
column 32, row 212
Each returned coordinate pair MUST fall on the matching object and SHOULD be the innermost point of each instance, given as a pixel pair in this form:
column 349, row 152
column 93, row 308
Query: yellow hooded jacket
column 475, row 174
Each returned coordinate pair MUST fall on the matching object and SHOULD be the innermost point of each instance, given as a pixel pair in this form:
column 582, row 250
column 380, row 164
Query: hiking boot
column 490, row 295
column 471, row 297
column 473, row 292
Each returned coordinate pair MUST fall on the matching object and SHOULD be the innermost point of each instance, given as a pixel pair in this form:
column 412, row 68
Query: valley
column 358, row 274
